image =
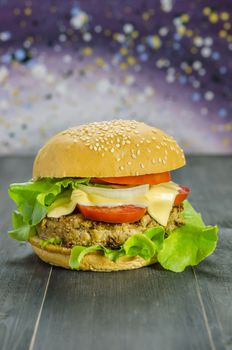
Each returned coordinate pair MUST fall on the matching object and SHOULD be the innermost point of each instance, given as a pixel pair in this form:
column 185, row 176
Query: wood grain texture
column 214, row 278
column 22, row 279
column 143, row 309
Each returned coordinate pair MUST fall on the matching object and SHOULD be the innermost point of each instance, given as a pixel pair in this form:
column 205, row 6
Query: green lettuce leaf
column 140, row 245
column 44, row 242
column 38, row 213
column 22, row 230
column 146, row 244
column 113, row 254
column 156, row 235
column 188, row 244
column 78, row 252
column 33, row 199
column 191, row 217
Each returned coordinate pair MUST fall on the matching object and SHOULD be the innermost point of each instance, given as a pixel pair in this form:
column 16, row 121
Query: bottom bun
column 59, row 256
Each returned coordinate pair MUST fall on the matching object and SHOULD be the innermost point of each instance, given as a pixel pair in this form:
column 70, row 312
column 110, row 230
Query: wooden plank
column 141, row 309
column 22, row 279
column 214, row 279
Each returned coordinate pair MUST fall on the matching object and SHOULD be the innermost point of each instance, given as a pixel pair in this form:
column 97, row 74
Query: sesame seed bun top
column 108, row 149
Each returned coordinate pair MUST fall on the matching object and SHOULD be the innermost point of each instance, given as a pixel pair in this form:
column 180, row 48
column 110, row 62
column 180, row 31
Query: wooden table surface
column 44, row 307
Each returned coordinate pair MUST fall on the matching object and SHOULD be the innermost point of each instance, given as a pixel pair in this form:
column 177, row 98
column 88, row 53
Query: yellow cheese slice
column 158, row 199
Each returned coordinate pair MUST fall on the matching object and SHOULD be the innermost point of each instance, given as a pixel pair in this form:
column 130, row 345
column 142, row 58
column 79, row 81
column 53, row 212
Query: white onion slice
column 119, row 193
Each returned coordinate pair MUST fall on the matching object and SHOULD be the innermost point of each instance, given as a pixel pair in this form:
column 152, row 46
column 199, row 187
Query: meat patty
column 75, row 229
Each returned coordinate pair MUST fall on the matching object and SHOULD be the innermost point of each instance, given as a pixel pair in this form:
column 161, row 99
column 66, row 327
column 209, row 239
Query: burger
column 102, row 198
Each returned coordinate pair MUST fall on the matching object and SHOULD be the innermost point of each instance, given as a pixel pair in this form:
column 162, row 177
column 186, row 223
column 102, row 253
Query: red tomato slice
column 115, row 215
column 183, row 193
column 151, row 179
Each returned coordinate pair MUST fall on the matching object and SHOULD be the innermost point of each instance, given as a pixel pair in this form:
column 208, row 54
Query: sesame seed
column 121, row 167
column 142, row 165
column 114, row 135
column 153, row 161
column 129, row 163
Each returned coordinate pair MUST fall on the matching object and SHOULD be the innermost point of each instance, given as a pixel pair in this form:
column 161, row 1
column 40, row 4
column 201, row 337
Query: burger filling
column 108, row 214
column 75, row 229
column 131, row 216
